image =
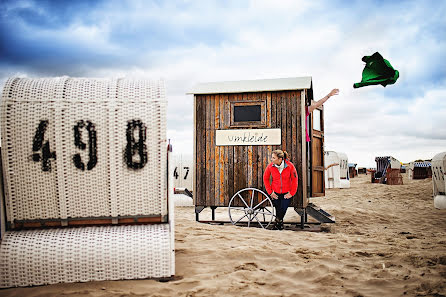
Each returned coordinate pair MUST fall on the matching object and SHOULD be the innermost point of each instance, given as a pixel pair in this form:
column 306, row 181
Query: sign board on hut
column 248, row 137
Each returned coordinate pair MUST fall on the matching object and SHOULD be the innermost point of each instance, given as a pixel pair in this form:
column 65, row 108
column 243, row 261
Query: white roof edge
column 260, row 85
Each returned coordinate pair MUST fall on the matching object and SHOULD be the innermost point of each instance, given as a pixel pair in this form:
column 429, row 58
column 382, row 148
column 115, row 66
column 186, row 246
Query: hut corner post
column 301, row 209
column 198, row 209
column 194, row 153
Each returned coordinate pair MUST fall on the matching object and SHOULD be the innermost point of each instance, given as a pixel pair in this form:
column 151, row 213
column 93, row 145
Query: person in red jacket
column 283, row 186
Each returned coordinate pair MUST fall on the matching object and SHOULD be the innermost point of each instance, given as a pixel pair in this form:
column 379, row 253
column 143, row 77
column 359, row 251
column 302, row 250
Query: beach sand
column 387, row 241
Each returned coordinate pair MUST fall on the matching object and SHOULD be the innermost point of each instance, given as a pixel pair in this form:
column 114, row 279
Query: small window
column 247, row 113
column 317, row 119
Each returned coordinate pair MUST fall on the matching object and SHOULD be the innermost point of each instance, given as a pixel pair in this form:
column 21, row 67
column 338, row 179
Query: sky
column 188, row 42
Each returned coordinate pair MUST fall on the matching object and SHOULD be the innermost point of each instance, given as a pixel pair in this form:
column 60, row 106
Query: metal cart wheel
column 261, row 213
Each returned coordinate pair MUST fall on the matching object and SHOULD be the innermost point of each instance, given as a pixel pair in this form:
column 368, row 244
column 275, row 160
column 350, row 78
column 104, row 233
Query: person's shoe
column 278, row 224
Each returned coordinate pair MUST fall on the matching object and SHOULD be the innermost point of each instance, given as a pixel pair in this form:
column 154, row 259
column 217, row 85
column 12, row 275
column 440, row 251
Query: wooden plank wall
column 220, row 171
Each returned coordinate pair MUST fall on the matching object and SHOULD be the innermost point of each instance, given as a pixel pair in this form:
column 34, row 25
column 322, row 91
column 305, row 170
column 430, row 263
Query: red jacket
column 282, row 182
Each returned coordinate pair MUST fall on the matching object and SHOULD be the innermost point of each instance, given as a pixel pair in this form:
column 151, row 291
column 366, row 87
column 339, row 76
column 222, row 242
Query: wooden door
column 317, row 149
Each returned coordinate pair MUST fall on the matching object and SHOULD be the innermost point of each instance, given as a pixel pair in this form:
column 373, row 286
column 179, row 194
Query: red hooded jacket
column 282, row 182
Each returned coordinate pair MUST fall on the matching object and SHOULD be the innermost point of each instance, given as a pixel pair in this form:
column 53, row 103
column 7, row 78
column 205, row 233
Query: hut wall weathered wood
column 220, row 171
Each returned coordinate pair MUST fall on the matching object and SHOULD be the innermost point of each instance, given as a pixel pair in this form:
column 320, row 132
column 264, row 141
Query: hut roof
column 260, row 85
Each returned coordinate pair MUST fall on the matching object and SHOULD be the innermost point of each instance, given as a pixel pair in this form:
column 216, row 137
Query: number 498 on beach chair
column 85, row 173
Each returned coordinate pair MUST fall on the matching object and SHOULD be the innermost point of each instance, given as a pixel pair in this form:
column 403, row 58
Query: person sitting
column 283, row 186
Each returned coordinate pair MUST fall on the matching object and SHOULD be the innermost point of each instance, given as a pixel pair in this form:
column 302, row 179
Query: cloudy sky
column 186, row 42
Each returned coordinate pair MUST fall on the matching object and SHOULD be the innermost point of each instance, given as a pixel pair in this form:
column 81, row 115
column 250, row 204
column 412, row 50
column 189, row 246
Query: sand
column 387, row 241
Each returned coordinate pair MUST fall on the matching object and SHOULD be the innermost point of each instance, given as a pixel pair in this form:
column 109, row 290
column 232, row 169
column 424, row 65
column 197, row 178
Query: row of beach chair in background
column 388, row 171
column 338, row 172
column 419, row 169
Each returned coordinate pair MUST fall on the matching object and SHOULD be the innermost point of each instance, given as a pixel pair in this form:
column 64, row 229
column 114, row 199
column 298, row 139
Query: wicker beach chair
column 85, row 172
column 439, row 180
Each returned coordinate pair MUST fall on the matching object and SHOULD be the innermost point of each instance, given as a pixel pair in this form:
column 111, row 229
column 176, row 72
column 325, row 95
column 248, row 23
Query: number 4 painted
column 38, row 145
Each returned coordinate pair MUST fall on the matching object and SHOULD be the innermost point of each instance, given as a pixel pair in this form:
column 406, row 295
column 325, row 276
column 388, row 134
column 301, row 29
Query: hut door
column 317, row 158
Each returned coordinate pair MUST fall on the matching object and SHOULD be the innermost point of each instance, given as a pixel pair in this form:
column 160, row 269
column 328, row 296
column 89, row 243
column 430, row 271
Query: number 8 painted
column 134, row 146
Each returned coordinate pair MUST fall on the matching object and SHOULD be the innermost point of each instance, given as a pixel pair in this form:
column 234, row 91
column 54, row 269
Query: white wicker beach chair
column 332, row 170
column 439, row 180
column 89, row 158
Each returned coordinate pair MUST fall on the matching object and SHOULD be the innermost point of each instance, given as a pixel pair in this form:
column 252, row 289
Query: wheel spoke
column 264, row 213
column 249, row 220
column 254, row 215
column 252, row 198
column 265, row 221
column 243, row 200
column 237, row 208
column 259, row 221
column 240, row 218
column 268, row 210
column 266, row 199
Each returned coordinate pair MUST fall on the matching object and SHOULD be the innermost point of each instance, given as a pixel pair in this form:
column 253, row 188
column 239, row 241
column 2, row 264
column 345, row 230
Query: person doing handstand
column 314, row 105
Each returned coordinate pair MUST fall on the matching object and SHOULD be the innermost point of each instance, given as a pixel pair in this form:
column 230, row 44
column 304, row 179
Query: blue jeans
column 281, row 205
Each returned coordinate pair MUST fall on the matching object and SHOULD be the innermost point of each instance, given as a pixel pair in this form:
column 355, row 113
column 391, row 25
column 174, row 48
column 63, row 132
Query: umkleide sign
column 248, row 137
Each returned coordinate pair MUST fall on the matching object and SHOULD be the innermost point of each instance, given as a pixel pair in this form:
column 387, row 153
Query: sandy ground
column 387, row 241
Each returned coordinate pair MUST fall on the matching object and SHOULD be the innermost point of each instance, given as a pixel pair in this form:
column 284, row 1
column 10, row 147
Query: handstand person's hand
column 333, row 92
column 274, row 195
column 320, row 102
column 288, row 195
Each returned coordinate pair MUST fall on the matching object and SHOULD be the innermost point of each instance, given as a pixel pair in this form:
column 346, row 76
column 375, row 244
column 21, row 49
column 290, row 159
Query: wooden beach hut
column 237, row 126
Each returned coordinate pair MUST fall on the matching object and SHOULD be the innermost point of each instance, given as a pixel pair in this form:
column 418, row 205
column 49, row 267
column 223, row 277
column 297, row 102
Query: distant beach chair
column 362, row 170
column 336, row 170
column 439, row 180
column 352, row 170
column 419, row 170
column 403, row 168
column 183, row 171
column 387, row 171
